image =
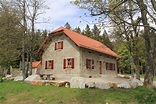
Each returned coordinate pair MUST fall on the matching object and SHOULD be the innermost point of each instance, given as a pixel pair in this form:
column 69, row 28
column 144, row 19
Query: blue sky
column 61, row 12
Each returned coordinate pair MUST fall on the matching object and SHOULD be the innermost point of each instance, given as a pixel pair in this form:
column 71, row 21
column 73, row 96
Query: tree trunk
column 149, row 74
column 27, row 66
column 30, row 65
column 23, row 40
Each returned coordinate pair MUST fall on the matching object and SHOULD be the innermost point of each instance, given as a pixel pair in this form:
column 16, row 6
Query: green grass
column 23, row 93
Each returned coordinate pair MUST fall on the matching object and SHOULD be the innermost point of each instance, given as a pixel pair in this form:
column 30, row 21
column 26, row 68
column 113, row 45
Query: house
column 65, row 52
column 36, row 67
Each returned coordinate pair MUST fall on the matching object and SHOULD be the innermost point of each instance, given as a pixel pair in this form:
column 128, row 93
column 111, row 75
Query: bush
column 1, row 80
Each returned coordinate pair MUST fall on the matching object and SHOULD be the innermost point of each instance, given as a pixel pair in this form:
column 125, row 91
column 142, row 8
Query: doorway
column 100, row 67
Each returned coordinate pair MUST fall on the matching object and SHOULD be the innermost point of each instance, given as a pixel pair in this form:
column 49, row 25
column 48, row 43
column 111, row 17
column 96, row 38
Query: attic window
column 59, row 45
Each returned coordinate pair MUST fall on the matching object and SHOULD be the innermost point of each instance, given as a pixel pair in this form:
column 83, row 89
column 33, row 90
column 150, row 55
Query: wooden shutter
column 106, row 66
column 64, row 63
column 55, row 46
column 46, row 63
column 111, row 65
column 86, row 63
column 52, row 64
column 72, row 63
column 92, row 64
column 62, row 45
column 114, row 66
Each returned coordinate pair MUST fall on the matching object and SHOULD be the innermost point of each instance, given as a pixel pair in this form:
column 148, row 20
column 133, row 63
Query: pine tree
column 67, row 25
column 88, row 32
column 105, row 40
column 78, row 30
column 96, row 33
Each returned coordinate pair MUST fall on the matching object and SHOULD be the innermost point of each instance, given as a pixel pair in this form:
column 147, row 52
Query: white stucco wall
column 70, row 50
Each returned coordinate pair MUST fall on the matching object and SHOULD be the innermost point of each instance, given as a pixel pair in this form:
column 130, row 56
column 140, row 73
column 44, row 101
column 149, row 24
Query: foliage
column 9, row 35
column 87, row 31
column 1, row 80
column 78, row 30
column 21, row 93
column 96, row 32
column 105, row 39
column 124, row 62
column 128, row 16
column 67, row 25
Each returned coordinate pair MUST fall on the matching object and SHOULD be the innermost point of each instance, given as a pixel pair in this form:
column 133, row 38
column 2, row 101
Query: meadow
column 23, row 93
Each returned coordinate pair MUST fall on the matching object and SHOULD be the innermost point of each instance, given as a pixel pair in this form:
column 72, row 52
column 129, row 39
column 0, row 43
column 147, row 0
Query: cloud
column 61, row 12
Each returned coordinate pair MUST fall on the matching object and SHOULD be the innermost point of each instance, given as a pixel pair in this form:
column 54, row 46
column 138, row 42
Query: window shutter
column 72, row 63
column 52, row 64
column 55, row 46
column 114, row 66
column 46, row 64
column 62, row 45
column 64, row 64
column 92, row 64
column 106, row 66
column 86, row 63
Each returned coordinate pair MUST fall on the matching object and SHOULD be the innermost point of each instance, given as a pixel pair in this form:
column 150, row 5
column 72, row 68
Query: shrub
column 1, row 80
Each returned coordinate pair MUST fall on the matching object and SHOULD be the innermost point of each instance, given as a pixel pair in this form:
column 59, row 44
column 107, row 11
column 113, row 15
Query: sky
column 60, row 12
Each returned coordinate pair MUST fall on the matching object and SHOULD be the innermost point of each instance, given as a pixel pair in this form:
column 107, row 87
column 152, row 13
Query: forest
column 132, row 35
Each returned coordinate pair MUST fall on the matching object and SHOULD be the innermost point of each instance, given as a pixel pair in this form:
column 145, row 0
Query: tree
column 105, row 40
column 67, row 25
column 96, row 32
column 9, row 35
column 78, row 30
column 109, row 9
column 124, row 62
column 87, row 32
column 29, row 10
column 149, row 58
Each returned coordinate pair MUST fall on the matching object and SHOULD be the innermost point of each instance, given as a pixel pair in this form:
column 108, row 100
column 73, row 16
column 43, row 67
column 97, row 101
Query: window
column 59, row 45
column 89, row 64
column 68, row 63
column 49, row 64
column 110, row 66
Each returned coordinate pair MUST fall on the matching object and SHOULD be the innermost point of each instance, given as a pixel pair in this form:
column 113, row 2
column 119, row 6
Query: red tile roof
column 82, row 41
column 35, row 64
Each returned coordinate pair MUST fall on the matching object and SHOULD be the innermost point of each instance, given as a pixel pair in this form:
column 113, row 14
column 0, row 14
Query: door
column 100, row 67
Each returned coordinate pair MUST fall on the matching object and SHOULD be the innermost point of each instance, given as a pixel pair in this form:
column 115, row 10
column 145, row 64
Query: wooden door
column 100, row 67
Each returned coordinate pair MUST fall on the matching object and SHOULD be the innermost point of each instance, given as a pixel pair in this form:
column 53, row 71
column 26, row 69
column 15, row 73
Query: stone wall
column 96, row 56
column 70, row 50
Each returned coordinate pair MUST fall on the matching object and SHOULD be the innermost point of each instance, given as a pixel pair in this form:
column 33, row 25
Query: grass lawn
column 22, row 93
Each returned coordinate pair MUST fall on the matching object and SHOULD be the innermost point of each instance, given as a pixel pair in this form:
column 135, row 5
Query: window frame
column 68, row 63
column 110, row 66
column 49, row 64
column 58, row 45
column 89, row 63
